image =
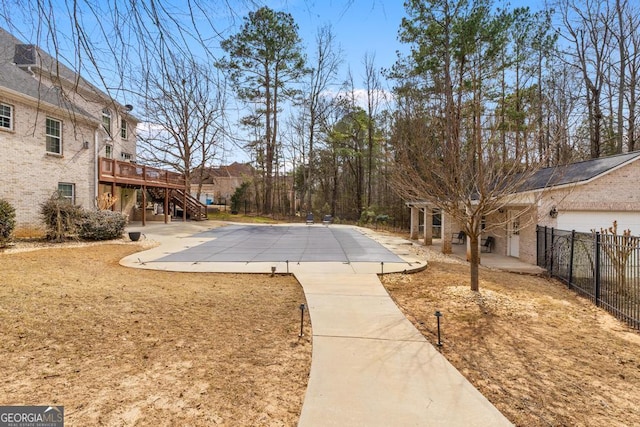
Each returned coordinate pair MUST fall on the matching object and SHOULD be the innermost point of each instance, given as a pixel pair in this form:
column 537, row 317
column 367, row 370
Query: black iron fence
column 602, row 267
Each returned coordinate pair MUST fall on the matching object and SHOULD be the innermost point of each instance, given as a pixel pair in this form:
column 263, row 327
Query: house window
column 54, row 136
column 124, row 130
column 126, row 156
column 108, row 151
column 67, row 192
column 6, row 116
column 106, row 120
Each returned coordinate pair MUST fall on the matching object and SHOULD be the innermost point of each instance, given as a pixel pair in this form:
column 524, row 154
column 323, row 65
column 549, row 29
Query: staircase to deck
column 195, row 210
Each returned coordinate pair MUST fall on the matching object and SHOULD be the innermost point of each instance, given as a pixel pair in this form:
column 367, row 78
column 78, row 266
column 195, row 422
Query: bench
column 458, row 238
column 487, row 244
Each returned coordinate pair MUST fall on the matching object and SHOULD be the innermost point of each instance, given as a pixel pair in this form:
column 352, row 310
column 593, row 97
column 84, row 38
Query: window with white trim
column 106, row 120
column 6, row 116
column 124, row 129
column 67, row 191
column 126, row 156
column 53, row 132
column 108, row 151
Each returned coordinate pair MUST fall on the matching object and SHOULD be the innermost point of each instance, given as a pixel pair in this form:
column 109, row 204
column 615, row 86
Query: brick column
column 428, row 226
column 415, row 223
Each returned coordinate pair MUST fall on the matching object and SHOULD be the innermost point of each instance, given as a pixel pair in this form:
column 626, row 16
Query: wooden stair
column 195, row 210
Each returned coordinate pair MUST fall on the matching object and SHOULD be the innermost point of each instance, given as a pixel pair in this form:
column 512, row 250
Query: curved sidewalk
column 370, row 366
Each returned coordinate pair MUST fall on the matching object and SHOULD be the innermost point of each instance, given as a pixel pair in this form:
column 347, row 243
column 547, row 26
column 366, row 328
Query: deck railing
column 120, row 172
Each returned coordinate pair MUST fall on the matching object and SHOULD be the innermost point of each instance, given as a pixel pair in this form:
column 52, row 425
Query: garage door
column 586, row 221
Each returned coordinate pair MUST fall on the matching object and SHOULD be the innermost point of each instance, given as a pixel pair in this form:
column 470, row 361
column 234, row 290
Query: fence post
column 551, row 254
column 546, row 253
column 538, row 245
column 573, row 240
column 597, row 271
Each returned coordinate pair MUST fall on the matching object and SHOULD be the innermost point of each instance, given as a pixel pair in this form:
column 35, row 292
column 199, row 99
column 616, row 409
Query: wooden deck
column 127, row 173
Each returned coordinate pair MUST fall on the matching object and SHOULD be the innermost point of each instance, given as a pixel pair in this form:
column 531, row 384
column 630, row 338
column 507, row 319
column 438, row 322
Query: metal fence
column 602, row 267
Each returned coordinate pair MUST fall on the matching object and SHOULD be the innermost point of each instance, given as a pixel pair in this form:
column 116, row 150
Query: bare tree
column 628, row 18
column 588, row 29
column 374, row 89
column 109, row 42
column 317, row 102
column 184, row 111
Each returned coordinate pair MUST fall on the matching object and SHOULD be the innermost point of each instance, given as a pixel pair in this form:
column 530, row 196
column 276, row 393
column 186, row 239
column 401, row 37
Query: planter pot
column 134, row 236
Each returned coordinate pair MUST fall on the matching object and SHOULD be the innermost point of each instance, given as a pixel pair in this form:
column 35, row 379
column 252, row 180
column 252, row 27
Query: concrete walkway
column 370, row 366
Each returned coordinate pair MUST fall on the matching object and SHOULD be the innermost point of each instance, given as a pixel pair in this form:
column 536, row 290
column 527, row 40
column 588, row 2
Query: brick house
column 61, row 133
column 581, row 196
column 53, row 127
column 219, row 183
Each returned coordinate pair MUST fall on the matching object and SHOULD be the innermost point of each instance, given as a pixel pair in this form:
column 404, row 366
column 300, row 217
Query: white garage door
column 586, row 221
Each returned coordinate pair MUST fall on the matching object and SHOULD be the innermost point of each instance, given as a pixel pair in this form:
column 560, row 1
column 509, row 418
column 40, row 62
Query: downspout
column 95, row 164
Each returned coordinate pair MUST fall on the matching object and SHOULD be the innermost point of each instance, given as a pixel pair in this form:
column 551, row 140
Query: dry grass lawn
column 125, row 347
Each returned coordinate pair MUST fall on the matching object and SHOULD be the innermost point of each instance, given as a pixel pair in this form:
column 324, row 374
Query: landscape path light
column 438, row 316
column 301, row 320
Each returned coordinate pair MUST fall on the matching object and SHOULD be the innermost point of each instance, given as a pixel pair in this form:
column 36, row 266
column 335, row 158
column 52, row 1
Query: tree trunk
column 621, row 76
column 474, row 262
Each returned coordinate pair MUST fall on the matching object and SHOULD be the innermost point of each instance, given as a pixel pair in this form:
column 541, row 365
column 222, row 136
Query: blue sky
column 360, row 26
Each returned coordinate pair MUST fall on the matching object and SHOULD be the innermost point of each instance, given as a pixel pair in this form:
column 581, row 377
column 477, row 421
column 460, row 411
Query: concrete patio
column 492, row 260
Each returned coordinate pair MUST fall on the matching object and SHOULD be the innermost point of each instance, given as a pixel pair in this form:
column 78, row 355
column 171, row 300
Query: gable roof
column 234, row 170
column 19, row 64
column 575, row 173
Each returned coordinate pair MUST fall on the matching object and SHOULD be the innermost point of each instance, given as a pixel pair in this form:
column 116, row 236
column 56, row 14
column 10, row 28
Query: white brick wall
column 30, row 175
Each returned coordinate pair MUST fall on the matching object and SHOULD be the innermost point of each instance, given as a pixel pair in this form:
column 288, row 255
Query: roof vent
column 25, row 54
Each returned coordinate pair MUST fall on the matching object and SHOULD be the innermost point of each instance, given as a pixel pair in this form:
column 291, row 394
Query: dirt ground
column 125, row 347
column 541, row 354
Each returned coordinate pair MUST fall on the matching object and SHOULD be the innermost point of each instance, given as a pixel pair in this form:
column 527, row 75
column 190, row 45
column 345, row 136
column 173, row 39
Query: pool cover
column 258, row 243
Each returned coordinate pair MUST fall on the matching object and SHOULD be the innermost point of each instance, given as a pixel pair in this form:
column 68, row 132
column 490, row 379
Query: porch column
column 166, row 205
column 446, row 233
column 113, row 194
column 428, row 226
column 144, row 205
column 415, row 223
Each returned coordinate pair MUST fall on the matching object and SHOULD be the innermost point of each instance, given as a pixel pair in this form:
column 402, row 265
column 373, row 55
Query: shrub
column 61, row 218
column 382, row 219
column 102, row 225
column 368, row 215
column 7, row 222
